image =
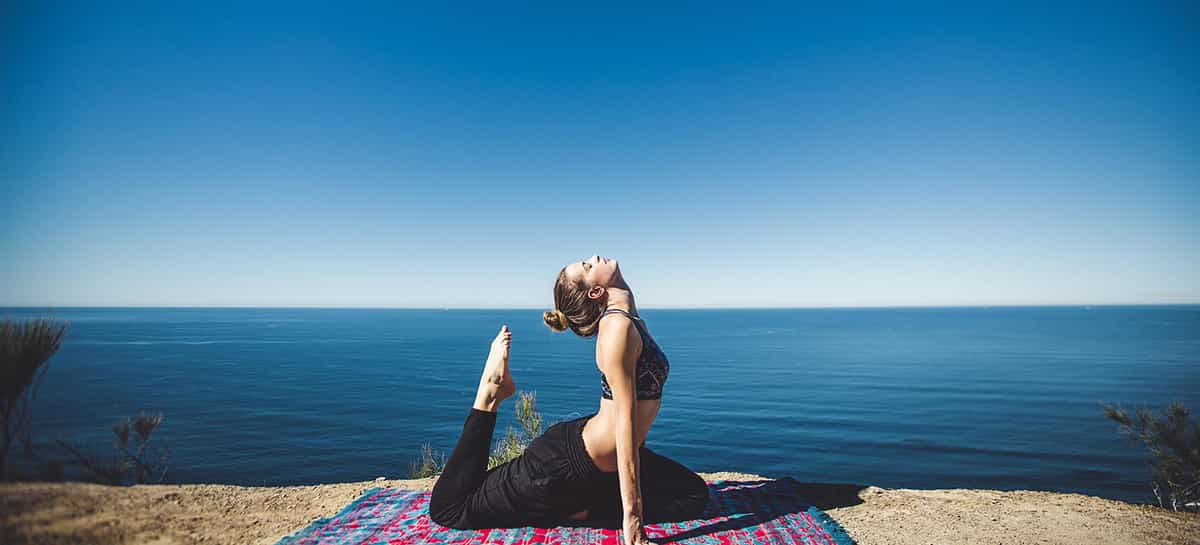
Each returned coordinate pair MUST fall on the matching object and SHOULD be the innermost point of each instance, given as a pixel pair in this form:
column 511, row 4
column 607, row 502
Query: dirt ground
column 56, row 513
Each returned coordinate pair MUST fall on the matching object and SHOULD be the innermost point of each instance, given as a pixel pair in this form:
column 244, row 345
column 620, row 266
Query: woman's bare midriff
column 600, row 432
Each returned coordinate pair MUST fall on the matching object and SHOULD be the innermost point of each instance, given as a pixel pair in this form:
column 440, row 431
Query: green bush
column 514, row 441
column 428, row 465
column 507, row 448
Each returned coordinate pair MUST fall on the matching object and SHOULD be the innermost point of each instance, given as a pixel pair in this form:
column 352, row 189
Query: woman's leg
column 468, row 495
column 670, row 491
column 465, row 470
column 460, row 491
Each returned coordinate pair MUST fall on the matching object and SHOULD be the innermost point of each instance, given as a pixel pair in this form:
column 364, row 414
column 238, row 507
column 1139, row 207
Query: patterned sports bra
column 652, row 365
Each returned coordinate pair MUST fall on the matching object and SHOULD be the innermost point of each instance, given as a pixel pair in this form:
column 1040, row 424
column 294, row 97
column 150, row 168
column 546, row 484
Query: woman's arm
column 619, row 367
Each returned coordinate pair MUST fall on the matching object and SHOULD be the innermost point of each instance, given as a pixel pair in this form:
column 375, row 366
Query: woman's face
column 596, row 271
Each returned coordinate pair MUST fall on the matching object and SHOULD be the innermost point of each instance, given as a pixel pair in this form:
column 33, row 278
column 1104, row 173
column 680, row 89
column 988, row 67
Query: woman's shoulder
column 618, row 328
column 616, row 323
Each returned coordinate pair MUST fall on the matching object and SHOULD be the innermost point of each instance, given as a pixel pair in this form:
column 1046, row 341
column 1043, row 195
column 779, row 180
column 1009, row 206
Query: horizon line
column 814, row 307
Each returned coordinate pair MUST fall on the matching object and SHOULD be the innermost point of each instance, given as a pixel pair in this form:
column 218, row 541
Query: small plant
column 514, row 441
column 1174, row 444
column 138, row 463
column 507, row 448
column 428, row 465
column 25, row 349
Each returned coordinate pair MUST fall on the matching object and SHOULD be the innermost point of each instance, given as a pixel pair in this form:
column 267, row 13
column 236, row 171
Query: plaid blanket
column 738, row 512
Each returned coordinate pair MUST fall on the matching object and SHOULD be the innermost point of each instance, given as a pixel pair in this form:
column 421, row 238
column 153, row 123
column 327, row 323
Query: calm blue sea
column 1003, row 398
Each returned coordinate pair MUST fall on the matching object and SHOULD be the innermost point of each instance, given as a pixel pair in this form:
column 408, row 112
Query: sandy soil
column 84, row 513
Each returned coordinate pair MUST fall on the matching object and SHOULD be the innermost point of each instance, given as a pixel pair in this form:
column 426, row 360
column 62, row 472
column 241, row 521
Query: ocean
column 1000, row 398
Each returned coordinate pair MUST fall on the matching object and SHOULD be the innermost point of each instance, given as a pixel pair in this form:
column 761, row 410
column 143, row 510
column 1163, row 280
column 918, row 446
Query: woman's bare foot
column 496, row 384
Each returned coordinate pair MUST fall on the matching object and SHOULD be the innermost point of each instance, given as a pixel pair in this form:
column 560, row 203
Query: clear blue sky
column 727, row 155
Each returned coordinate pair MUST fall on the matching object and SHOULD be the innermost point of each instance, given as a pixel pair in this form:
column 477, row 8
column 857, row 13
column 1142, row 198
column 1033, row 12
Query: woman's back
column 599, row 435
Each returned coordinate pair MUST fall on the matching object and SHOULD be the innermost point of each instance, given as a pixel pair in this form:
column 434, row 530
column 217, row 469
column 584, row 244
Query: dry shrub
column 25, row 350
column 139, row 461
column 1174, row 444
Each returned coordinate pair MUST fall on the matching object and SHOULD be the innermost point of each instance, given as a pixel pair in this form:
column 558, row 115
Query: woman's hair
column 573, row 309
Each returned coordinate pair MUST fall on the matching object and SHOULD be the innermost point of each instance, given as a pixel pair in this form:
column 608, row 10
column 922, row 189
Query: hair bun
column 556, row 320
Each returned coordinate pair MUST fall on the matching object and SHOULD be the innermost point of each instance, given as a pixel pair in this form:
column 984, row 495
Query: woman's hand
column 635, row 534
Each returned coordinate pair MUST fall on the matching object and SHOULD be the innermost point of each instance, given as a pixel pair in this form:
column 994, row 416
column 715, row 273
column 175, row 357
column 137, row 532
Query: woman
column 594, row 470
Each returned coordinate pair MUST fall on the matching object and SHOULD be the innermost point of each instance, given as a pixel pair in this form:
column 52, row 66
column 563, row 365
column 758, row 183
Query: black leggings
column 552, row 479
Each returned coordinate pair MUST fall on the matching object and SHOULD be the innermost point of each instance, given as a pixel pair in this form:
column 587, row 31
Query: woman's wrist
column 633, row 528
column 634, row 510
column 633, row 524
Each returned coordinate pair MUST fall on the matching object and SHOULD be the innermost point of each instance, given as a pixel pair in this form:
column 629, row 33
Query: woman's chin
column 618, row 278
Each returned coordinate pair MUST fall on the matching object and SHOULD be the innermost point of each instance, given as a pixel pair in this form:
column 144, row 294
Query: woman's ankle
column 486, row 403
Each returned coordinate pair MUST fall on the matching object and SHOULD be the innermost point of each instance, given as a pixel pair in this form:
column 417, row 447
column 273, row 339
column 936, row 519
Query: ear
column 596, row 292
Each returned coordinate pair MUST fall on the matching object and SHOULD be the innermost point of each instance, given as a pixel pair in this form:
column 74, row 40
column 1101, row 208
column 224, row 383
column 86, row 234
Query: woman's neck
column 621, row 298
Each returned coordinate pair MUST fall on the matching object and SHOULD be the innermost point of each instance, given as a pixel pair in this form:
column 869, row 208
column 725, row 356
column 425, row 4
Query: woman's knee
column 446, row 512
column 691, row 497
column 686, row 499
column 696, row 497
